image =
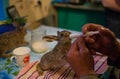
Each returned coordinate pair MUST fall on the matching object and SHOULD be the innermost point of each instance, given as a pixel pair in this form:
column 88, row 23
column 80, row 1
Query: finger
column 73, row 52
column 89, row 40
column 91, row 27
column 81, row 42
column 83, row 50
column 93, row 52
column 107, row 33
column 74, row 46
column 72, row 49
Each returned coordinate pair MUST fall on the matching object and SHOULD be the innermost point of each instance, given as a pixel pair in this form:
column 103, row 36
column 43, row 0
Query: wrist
column 89, row 76
column 84, row 73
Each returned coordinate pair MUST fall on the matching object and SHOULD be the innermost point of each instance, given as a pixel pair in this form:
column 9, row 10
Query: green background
column 74, row 19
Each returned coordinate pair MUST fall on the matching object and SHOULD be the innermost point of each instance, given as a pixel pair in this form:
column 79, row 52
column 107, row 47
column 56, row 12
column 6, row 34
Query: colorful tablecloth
column 66, row 72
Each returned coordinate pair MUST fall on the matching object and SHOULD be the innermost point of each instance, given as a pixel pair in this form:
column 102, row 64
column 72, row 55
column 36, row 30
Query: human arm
column 112, row 4
column 81, row 60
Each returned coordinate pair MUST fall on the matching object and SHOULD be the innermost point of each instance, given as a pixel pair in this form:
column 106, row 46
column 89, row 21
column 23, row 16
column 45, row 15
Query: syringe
column 90, row 33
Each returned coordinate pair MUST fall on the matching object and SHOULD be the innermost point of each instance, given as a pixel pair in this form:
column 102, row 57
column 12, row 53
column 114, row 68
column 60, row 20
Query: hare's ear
column 50, row 38
column 58, row 35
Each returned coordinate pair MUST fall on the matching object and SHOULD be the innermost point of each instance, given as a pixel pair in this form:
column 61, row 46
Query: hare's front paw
column 40, row 71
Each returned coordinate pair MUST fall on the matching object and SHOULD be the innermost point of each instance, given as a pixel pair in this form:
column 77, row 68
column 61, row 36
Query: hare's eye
column 62, row 34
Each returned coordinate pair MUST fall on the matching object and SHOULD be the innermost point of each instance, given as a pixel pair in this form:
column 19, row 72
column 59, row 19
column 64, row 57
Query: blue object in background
column 2, row 17
column 5, row 75
column 6, row 28
column 3, row 13
column 58, row 0
column 8, row 71
column 62, row 1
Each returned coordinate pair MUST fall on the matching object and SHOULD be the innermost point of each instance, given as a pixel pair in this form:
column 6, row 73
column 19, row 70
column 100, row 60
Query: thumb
column 73, row 47
column 82, row 45
column 81, row 42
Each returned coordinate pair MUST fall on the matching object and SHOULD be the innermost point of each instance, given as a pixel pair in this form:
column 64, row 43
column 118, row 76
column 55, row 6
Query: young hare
column 55, row 59
column 12, row 39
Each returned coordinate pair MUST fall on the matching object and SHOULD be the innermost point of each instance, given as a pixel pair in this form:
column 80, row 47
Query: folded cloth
column 66, row 72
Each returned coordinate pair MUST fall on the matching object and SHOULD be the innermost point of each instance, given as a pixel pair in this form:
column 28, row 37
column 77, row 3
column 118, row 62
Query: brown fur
column 55, row 59
column 12, row 39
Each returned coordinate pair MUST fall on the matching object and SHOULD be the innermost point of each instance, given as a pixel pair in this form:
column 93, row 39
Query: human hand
column 105, row 42
column 80, row 58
